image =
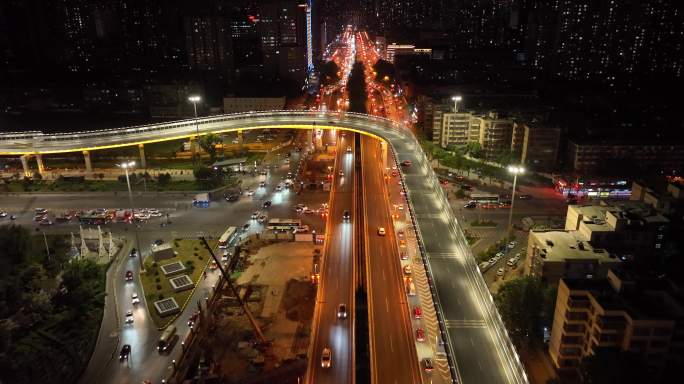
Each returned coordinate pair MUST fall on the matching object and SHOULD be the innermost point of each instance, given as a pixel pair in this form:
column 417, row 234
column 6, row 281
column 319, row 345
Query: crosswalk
column 465, row 323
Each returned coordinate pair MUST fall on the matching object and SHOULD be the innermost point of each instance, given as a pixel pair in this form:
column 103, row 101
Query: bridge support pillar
column 88, row 164
column 41, row 166
column 24, row 164
column 143, row 163
column 240, row 139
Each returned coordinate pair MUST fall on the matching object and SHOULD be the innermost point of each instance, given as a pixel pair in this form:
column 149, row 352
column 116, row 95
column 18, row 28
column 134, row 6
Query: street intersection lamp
column 194, row 99
column 126, row 166
column 456, row 100
column 515, row 170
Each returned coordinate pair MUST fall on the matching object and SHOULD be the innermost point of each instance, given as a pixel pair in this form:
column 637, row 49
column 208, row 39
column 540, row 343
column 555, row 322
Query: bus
column 484, row 197
column 283, row 224
column 166, row 337
column 225, row 238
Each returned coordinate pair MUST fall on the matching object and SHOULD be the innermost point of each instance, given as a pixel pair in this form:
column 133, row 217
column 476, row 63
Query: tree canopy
column 356, row 86
column 329, row 73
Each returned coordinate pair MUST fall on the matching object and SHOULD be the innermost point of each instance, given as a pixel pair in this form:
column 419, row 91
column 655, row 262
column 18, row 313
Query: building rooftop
column 641, row 299
column 603, row 217
column 568, row 245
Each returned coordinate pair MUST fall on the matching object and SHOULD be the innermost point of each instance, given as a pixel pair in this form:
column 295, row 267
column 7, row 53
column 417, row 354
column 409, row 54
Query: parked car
column 427, row 365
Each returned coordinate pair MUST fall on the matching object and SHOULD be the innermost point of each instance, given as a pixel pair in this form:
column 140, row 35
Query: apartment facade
column 616, row 312
column 593, row 156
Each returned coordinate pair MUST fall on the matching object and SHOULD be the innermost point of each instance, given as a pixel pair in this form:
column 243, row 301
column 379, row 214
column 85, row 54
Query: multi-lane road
column 337, row 278
column 393, row 352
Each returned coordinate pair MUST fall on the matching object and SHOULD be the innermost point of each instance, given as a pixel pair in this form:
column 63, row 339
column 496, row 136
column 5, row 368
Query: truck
column 201, row 200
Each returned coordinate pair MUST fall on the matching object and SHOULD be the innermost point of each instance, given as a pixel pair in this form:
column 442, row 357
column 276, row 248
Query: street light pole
column 515, row 170
column 125, row 167
column 194, row 99
column 456, row 100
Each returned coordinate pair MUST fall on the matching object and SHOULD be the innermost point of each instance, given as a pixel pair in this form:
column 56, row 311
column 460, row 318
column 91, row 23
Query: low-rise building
column 596, row 156
column 249, row 104
column 536, row 145
column 554, row 255
column 642, row 317
column 628, row 229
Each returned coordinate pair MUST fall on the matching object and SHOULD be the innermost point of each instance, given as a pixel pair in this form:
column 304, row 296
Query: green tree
column 505, row 158
column 525, row 305
column 163, row 179
column 474, row 149
column 329, row 73
column 208, row 144
column 356, row 87
column 385, row 72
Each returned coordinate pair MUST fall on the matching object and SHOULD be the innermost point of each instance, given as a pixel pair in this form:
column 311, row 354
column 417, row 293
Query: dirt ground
column 282, row 300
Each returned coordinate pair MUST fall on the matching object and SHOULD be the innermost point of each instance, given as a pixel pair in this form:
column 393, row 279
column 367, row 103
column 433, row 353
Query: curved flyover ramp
column 477, row 346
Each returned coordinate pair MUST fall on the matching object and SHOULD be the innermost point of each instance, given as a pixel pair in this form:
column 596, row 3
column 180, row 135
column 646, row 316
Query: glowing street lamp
column 126, row 166
column 194, row 99
column 456, row 100
column 515, row 170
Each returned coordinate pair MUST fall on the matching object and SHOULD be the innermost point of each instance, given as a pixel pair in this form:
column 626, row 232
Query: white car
column 500, row 272
column 250, row 192
column 134, row 298
column 511, row 245
column 3, row 214
column 129, row 317
column 326, row 358
column 381, row 231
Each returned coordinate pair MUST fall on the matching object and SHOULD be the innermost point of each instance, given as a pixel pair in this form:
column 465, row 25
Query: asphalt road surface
column 337, row 279
column 394, row 358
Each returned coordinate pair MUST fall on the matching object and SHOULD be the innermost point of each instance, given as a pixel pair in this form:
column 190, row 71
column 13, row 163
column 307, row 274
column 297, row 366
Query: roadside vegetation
column 50, row 308
column 526, row 306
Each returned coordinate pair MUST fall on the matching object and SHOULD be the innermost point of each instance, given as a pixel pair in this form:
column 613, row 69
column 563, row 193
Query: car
column 250, row 192
column 262, row 219
column 511, row 245
column 307, row 210
column 420, row 334
column 346, row 216
column 400, row 234
column 154, row 213
column 403, row 255
column 232, row 197
column 402, row 243
column 499, row 255
column 348, row 149
column 267, row 203
column 417, row 312
column 134, row 298
column 406, row 163
column 125, row 351
column 500, row 272
column 278, row 188
column 46, row 222
column 326, row 358
column 342, row 311
column 245, row 227
column 492, row 260
column 129, row 317
column 255, row 215
column 407, row 269
column 381, row 231
column 470, row 205
column 3, row 214
column 262, row 184
column 129, row 275
column 134, row 252
column 483, row 266
column 466, row 187
column 524, row 197
column 157, row 242
column 427, row 365
column 193, row 318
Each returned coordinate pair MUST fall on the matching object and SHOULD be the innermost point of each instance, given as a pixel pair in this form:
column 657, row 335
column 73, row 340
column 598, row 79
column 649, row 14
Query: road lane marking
column 387, row 304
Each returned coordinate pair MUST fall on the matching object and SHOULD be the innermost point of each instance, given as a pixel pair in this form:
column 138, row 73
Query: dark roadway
column 394, row 358
column 337, row 280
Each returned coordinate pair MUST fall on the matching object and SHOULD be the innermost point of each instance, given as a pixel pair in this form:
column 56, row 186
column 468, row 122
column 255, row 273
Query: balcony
column 579, row 304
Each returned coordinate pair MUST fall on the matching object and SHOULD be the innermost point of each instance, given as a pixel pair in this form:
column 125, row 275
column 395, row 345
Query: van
column 165, row 339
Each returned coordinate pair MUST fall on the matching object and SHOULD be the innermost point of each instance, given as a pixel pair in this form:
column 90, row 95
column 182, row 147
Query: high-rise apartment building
column 641, row 317
column 591, row 156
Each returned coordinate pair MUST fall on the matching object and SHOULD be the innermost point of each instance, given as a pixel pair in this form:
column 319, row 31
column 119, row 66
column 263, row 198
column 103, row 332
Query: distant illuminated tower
column 311, row 79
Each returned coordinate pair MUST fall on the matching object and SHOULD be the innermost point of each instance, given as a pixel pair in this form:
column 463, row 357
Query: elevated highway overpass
column 476, row 343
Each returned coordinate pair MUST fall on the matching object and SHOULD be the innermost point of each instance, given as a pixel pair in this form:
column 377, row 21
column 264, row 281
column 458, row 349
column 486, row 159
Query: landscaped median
column 191, row 258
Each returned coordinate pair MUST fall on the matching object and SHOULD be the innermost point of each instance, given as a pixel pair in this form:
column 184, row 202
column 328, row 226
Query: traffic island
column 161, row 280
